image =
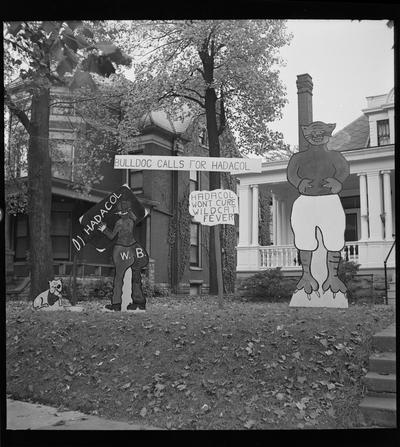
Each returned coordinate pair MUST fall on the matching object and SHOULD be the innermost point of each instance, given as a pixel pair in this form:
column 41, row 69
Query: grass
column 186, row 364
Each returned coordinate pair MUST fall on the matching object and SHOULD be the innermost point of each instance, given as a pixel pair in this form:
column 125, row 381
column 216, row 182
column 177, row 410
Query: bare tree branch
column 15, row 110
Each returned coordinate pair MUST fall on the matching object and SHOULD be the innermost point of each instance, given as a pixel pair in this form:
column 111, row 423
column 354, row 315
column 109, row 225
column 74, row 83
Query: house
column 177, row 246
column 368, row 194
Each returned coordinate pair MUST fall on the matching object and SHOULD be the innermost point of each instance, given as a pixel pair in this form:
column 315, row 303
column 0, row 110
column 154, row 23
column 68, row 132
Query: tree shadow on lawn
column 187, row 364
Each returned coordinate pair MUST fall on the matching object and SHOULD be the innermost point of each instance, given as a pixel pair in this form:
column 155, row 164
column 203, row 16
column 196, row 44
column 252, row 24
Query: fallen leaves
column 184, row 367
column 249, row 424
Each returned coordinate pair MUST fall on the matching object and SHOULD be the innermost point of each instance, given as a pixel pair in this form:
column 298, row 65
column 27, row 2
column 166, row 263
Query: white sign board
column 214, row 207
column 219, row 164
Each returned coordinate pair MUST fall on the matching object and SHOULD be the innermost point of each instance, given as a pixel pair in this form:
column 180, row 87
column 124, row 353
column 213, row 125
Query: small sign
column 214, row 207
column 168, row 163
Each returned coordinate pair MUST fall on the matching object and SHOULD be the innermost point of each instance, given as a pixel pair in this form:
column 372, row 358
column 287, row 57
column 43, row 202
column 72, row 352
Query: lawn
column 186, row 364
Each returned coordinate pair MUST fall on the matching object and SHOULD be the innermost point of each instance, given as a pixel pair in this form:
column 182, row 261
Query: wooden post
column 218, row 262
column 74, row 285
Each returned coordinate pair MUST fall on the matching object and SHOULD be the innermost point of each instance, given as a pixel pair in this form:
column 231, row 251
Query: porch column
column 254, row 215
column 387, row 200
column 283, row 222
column 274, row 220
column 278, row 222
column 244, row 215
column 374, row 206
column 363, row 207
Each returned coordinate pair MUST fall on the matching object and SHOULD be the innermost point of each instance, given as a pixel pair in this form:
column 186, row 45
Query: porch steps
column 379, row 403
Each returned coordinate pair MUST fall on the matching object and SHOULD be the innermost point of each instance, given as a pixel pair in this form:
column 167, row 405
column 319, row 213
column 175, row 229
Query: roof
column 354, row 136
column 161, row 119
column 380, row 100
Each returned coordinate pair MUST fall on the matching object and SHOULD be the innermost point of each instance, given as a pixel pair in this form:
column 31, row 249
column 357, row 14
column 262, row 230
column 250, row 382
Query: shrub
column 268, row 285
column 101, row 289
column 347, row 272
column 147, row 287
column 161, row 291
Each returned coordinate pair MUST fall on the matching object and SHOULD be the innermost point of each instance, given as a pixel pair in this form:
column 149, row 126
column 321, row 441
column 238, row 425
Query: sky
column 347, row 60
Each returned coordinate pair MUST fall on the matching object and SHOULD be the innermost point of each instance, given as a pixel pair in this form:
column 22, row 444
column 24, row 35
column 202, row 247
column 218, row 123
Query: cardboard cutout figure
column 112, row 222
column 52, row 299
column 127, row 253
column 318, row 219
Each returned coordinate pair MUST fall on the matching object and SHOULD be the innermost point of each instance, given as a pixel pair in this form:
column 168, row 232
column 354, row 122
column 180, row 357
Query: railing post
column 386, row 291
column 385, row 268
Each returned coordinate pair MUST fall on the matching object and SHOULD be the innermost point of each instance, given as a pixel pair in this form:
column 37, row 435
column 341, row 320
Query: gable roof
column 160, row 118
column 354, row 136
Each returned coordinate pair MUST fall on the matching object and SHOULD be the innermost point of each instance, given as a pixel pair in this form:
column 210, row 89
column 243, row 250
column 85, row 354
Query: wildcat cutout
column 49, row 297
column 318, row 132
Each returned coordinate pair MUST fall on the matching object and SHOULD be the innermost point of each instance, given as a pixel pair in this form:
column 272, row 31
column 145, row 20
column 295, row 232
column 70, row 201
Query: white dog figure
column 50, row 297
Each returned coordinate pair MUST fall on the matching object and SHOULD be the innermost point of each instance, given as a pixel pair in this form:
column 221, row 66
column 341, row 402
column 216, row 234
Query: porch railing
column 84, row 269
column 286, row 256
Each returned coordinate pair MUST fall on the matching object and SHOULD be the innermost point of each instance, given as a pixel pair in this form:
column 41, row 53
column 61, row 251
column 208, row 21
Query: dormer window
column 383, row 132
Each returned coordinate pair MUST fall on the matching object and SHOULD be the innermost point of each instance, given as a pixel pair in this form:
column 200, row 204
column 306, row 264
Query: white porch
column 370, row 221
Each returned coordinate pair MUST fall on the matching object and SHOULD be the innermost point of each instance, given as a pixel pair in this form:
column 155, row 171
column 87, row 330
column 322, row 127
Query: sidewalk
column 28, row 416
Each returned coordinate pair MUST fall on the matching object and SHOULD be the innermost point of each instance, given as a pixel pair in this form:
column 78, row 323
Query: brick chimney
column 304, row 101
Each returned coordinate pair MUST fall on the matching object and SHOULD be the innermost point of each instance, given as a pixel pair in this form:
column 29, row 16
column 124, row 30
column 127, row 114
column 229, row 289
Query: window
column 136, row 181
column 21, row 237
column 351, row 231
column 60, row 234
column 203, row 137
column 195, row 229
column 62, row 160
column 195, row 234
column 62, row 106
column 383, row 132
column 194, row 178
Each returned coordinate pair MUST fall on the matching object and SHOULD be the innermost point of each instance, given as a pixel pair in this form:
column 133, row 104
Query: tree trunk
column 215, row 180
column 39, row 193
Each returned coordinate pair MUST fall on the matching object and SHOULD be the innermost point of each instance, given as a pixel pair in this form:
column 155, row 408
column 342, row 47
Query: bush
column 153, row 290
column 347, row 272
column 147, row 287
column 161, row 291
column 268, row 285
column 103, row 289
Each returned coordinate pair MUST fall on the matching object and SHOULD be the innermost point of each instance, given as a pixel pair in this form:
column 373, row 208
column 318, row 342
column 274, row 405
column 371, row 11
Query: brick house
column 178, row 247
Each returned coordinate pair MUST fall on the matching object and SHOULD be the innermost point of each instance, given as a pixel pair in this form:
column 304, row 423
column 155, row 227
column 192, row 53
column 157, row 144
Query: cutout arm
column 111, row 234
column 292, row 171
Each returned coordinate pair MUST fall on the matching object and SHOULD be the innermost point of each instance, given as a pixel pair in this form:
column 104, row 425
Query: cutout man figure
column 317, row 214
column 127, row 253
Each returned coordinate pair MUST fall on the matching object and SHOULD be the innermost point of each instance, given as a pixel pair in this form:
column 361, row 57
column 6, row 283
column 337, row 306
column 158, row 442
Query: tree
column 43, row 54
column 226, row 70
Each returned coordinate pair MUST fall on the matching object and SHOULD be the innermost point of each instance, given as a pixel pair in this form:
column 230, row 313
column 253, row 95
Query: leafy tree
column 44, row 54
column 226, row 70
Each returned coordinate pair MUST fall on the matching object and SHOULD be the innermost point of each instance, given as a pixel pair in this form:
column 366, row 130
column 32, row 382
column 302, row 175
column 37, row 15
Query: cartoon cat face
column 55, row 286
column 318, row 132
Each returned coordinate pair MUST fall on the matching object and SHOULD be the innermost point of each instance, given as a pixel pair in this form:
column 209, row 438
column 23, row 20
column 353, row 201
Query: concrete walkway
column 28, row 416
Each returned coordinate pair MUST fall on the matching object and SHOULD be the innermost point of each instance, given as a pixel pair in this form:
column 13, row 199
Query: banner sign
column 233, row 165
column 105, row 211
column 214, row 207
